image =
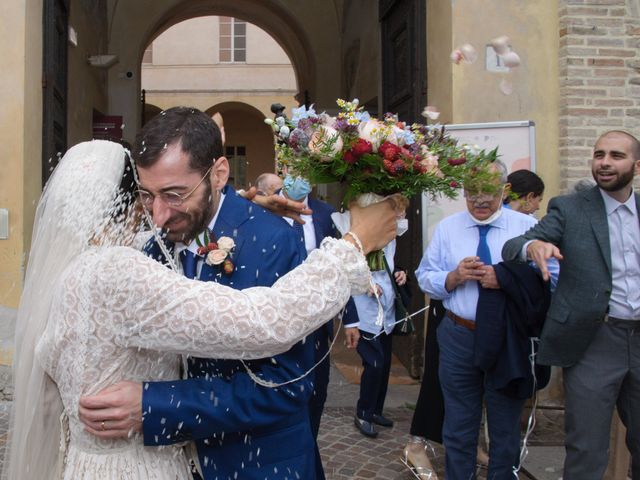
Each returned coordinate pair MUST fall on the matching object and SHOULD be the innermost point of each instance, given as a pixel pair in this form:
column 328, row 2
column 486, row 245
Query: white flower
column 430, row 112
column 374, row 132
column 284, row 131
column 469, row 53
column 325, row 141
column 226, row 243
column 501, row 44
column 511, row 59
column 216, row 257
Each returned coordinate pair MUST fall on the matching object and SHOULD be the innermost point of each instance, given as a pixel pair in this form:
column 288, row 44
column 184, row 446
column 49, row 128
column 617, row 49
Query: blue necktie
column 299, row 228
column 189, row 263
column 483, row 248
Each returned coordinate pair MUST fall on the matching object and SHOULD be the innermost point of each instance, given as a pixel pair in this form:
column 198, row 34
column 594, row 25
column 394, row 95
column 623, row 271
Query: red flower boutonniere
column 217, row 253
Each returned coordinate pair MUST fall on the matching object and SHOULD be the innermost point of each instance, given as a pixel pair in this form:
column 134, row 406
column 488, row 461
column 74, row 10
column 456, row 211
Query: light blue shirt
column 455, row 238
column 624, row 239
column 367, row 306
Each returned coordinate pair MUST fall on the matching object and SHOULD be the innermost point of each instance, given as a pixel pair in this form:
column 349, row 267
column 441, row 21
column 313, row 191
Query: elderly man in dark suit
column 593, row 324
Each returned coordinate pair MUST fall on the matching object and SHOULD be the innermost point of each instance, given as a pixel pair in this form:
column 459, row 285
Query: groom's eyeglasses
column 173, row 199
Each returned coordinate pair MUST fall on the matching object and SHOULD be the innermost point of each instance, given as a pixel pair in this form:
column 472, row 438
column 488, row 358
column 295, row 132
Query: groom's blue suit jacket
column 241, row 429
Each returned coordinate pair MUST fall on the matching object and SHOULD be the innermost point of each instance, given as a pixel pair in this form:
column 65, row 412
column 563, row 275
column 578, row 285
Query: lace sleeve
column 155, row 308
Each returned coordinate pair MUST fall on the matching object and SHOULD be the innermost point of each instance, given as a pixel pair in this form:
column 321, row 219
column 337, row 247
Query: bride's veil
column 79, row 201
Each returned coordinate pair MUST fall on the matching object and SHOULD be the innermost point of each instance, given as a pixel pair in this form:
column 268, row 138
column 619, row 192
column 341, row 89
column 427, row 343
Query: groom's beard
column 196, row 217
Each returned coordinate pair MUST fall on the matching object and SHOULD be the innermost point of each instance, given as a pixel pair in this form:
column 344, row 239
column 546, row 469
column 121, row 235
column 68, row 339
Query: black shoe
column 381, row 420
column 366, row 428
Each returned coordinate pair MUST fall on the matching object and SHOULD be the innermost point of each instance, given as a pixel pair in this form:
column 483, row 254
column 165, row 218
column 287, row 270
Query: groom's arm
column 120, row 405
column 203, row 408
column 200, row 408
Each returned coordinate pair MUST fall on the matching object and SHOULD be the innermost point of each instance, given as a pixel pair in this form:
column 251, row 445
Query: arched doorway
column 134, row 26
column 249, row 143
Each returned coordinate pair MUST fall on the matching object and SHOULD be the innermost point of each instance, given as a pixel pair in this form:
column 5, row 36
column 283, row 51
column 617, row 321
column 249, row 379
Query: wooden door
column 54, row 83
column 403, row 32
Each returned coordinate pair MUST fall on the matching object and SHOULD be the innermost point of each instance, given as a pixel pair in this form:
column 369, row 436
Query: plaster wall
column 87, row 86
column 188, row 43
column 439, row 66
column 247, row 128
column 20, row 137
column 206, row 100
column 230, row 77
column 476, row 96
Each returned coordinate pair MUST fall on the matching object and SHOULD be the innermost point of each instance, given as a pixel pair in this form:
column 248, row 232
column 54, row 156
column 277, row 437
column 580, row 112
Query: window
column 233, row 40
column 237, row 156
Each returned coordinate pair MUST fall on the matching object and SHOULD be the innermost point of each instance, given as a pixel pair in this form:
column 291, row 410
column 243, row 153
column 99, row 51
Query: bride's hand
column 375, row 225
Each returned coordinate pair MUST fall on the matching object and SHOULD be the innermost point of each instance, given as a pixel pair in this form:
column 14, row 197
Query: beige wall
column 476, row 97
column 245, row 127
column 87, row 89
column 204, row 101
column 20, row 136
column 187, row 43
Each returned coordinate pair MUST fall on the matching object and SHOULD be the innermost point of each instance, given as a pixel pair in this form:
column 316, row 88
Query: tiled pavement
column 347, row 454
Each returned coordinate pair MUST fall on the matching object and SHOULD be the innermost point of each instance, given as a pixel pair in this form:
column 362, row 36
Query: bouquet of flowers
column 374, row 156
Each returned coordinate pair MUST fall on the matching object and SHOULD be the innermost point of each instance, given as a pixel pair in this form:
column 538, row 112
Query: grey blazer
column 577, row 225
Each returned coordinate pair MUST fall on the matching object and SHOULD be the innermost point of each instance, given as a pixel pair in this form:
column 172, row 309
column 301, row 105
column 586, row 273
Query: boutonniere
column 216, row 253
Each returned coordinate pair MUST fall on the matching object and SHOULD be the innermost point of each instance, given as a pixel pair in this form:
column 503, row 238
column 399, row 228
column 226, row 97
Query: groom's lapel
column 234, row 212
column 152, row 250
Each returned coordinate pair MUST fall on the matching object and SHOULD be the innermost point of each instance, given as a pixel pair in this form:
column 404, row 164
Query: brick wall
column 599, row 77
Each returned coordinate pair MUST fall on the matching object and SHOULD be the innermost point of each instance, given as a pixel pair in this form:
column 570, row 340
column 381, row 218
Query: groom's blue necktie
column 299, row 229
column 189, row 263
column 483, row 248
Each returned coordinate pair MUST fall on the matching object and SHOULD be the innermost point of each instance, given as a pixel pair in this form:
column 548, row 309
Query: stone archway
column 133, row 25
column 249, row 140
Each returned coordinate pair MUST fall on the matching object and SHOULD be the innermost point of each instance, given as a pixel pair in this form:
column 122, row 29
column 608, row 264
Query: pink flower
column 501, row 44
column 326, row 142
column 430, row 162
column 226, row 243
column 511, row 59
column 464, row 53
column 216, row 257
column 506, row 87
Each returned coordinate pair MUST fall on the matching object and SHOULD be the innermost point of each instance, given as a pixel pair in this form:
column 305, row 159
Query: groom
column 241, row 429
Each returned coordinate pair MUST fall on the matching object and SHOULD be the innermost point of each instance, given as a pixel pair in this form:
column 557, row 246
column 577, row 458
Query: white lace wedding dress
column 108, row 324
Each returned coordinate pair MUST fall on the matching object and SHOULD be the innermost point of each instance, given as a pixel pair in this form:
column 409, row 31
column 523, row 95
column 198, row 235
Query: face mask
column 402, row 225
column 296, row 188
column 494, row 216
column 487, row 221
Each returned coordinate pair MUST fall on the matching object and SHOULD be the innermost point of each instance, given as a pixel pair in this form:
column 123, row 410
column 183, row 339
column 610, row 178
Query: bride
column 95, row 311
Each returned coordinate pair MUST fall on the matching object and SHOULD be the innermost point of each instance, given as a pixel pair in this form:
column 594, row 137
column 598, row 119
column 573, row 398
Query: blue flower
column 362, row 116
column 302, row 112
column 407, row 136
